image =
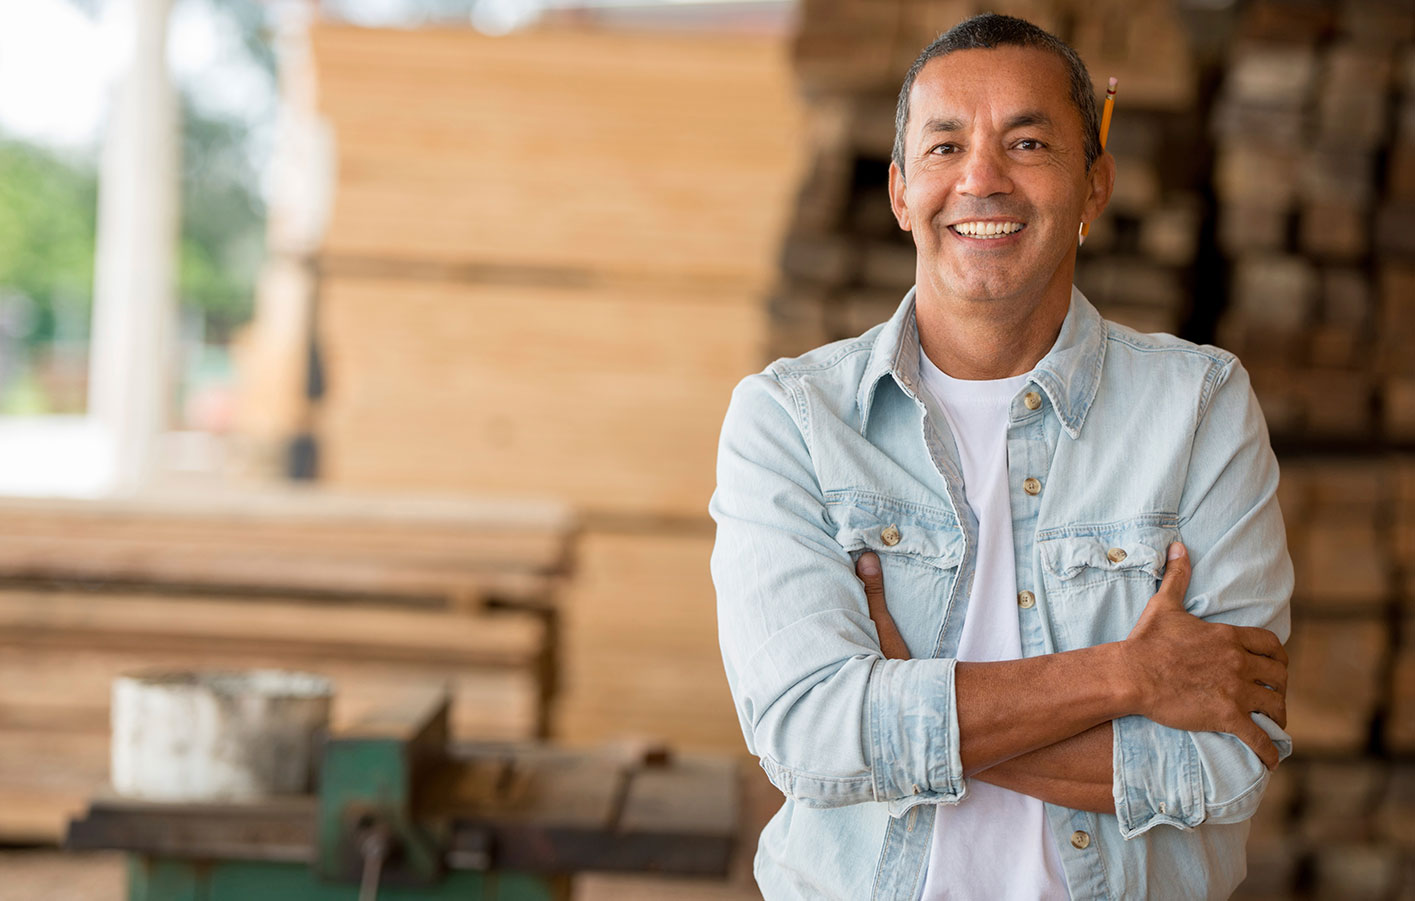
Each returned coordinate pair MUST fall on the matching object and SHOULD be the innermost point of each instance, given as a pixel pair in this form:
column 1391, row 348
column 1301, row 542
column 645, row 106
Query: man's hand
column 1184, row 672
column 1074, row 772
column 890, row 641
column 1201, row 676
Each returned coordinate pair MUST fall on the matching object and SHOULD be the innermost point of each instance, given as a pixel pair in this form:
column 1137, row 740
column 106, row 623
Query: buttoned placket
column 1032, row 434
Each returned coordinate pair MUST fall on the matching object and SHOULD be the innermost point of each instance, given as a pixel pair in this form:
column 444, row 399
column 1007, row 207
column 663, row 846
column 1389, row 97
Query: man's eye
column 1029, row 144
column 945, row 148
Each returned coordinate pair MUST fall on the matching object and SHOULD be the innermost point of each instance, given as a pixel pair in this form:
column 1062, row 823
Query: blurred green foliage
column 48, row 206
column 48, row 209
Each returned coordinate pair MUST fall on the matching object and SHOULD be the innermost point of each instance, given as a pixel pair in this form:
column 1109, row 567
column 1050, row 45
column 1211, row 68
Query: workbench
column 401, row 813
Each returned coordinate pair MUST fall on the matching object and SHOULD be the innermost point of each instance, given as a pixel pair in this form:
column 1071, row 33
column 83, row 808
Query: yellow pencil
column 1105, row 132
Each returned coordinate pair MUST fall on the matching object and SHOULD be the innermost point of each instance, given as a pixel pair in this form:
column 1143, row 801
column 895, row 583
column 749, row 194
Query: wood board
column 610, row 399
column 594, row 151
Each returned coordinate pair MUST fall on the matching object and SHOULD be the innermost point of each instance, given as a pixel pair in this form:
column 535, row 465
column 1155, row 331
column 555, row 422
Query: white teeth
column 986, row 229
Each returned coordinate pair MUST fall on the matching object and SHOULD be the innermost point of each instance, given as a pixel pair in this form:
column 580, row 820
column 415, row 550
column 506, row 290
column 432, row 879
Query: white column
column 131, row 367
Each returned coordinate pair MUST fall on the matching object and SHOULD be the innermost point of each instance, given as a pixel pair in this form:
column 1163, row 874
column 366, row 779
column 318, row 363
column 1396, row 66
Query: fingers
column 1262, row 641
column 872, row 575
column 1177, row 570
column 1270, row 703
column 1269, row 672
column 891, row 643
column 1252, row 735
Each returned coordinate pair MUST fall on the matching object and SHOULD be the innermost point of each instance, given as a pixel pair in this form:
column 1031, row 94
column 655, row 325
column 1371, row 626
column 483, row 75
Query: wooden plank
column 646, row 598
column 1332, row 694
column 612, row 152
column 293, row 541
column 66, row 620
column 608, row 398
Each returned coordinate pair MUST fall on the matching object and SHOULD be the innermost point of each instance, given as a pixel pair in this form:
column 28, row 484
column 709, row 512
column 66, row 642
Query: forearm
column 1013, row 707
column 1076, row 772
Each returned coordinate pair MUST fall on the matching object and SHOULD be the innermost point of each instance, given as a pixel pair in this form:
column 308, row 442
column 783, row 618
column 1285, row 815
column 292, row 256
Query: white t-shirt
column 994, row 844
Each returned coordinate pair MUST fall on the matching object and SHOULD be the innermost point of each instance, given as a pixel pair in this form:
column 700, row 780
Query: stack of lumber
column 846, row 264
column 1316, row 209
column 1336, row 820
column 380, row 594
column 543, row 273
column 1311, row 187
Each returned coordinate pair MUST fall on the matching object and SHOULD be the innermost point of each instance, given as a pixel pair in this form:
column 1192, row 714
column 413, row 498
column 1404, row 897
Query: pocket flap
column 865, row 522
column 1135, row 547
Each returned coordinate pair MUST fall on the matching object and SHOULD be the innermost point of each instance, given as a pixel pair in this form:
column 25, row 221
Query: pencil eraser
column 1113, row 83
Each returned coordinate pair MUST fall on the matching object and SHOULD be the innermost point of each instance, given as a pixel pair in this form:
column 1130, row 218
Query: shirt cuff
column 913, row 734
column 1157, row 777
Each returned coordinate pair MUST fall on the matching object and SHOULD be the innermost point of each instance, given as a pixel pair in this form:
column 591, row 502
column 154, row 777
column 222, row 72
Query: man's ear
column 896, row 197
column 1102, row 182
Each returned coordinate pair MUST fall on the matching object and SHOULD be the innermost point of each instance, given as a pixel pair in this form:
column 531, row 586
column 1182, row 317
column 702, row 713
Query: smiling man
column 1076, row 687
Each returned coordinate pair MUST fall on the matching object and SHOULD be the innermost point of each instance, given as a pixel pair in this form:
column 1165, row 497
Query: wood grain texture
column 599, row 151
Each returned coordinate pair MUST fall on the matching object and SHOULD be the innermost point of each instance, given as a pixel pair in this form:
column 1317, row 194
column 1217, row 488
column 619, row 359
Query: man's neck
column 989, row 340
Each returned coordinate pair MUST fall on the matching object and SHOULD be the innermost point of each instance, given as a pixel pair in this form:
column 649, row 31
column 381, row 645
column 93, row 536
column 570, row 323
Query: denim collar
column 1069, row 374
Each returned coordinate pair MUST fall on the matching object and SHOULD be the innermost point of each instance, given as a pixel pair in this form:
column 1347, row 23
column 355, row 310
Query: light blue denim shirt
column 1140, row 440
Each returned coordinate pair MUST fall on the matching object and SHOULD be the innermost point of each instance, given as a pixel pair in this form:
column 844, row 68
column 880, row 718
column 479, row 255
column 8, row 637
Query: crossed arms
column 1174, row 668
column 837, row 720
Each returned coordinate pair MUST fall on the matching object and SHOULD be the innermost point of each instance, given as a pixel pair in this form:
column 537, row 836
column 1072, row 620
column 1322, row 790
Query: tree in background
column 48, row 203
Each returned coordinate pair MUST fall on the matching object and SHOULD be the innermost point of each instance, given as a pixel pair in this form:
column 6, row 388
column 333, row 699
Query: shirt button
column 1080, row 840
column 1032, row 399
column 1032, row 486
column 890, row 535
column 916, row 789
column 1026, row 600
column 1115, row 554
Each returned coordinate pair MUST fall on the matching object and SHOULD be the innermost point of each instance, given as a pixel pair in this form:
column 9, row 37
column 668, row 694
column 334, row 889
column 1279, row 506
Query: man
column 1076, row 526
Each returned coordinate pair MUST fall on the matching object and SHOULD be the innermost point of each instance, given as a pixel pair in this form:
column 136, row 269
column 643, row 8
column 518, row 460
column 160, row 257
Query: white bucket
column 217, row 735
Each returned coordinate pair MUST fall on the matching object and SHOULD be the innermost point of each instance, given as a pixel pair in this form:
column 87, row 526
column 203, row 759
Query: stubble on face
column 993, row 137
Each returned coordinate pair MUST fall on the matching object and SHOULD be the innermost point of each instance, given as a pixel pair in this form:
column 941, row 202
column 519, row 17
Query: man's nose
column 984, row 173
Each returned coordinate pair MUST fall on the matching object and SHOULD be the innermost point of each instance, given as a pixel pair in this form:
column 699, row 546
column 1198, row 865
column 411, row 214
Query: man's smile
column 986, row 229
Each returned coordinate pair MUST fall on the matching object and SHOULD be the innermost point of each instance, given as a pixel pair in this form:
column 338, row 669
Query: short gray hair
column 989, row 31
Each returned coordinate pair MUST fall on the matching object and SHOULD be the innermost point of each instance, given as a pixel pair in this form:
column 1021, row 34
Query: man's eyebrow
column 1020, row 120
column 1031, row 117
column 936, row 124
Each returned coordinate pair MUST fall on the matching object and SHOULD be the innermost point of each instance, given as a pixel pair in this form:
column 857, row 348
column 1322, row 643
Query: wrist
column 1127, row 679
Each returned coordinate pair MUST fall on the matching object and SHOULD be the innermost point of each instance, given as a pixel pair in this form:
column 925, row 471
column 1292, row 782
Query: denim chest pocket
column 920, row 549
column 1099, row 578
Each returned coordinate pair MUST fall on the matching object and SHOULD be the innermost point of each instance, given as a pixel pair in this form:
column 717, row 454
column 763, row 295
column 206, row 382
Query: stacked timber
column 1336, row 820
column 383, row 595
column 542, row 275
column 1315, row 214
column 1312, row 152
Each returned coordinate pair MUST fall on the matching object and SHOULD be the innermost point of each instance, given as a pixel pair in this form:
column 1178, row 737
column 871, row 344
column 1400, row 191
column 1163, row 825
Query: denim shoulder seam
column 1216, row 376
column 1131, row 340
column 791, row 366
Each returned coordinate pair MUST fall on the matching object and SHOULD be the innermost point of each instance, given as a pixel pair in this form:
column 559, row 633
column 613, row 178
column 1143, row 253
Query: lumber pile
column 1315, row 201
column 381, row 594
column 1314, row 126
column 542, row 273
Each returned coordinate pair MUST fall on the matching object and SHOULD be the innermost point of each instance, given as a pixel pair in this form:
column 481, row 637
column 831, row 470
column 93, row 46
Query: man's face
column 995, row 182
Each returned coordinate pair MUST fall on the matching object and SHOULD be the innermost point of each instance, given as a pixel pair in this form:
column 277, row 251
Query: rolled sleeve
column 833, row 722
column 1232, row 527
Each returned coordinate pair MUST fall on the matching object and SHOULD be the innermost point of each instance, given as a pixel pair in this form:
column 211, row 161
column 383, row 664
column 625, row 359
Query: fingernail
column 868, row 565
column 1176, row 550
